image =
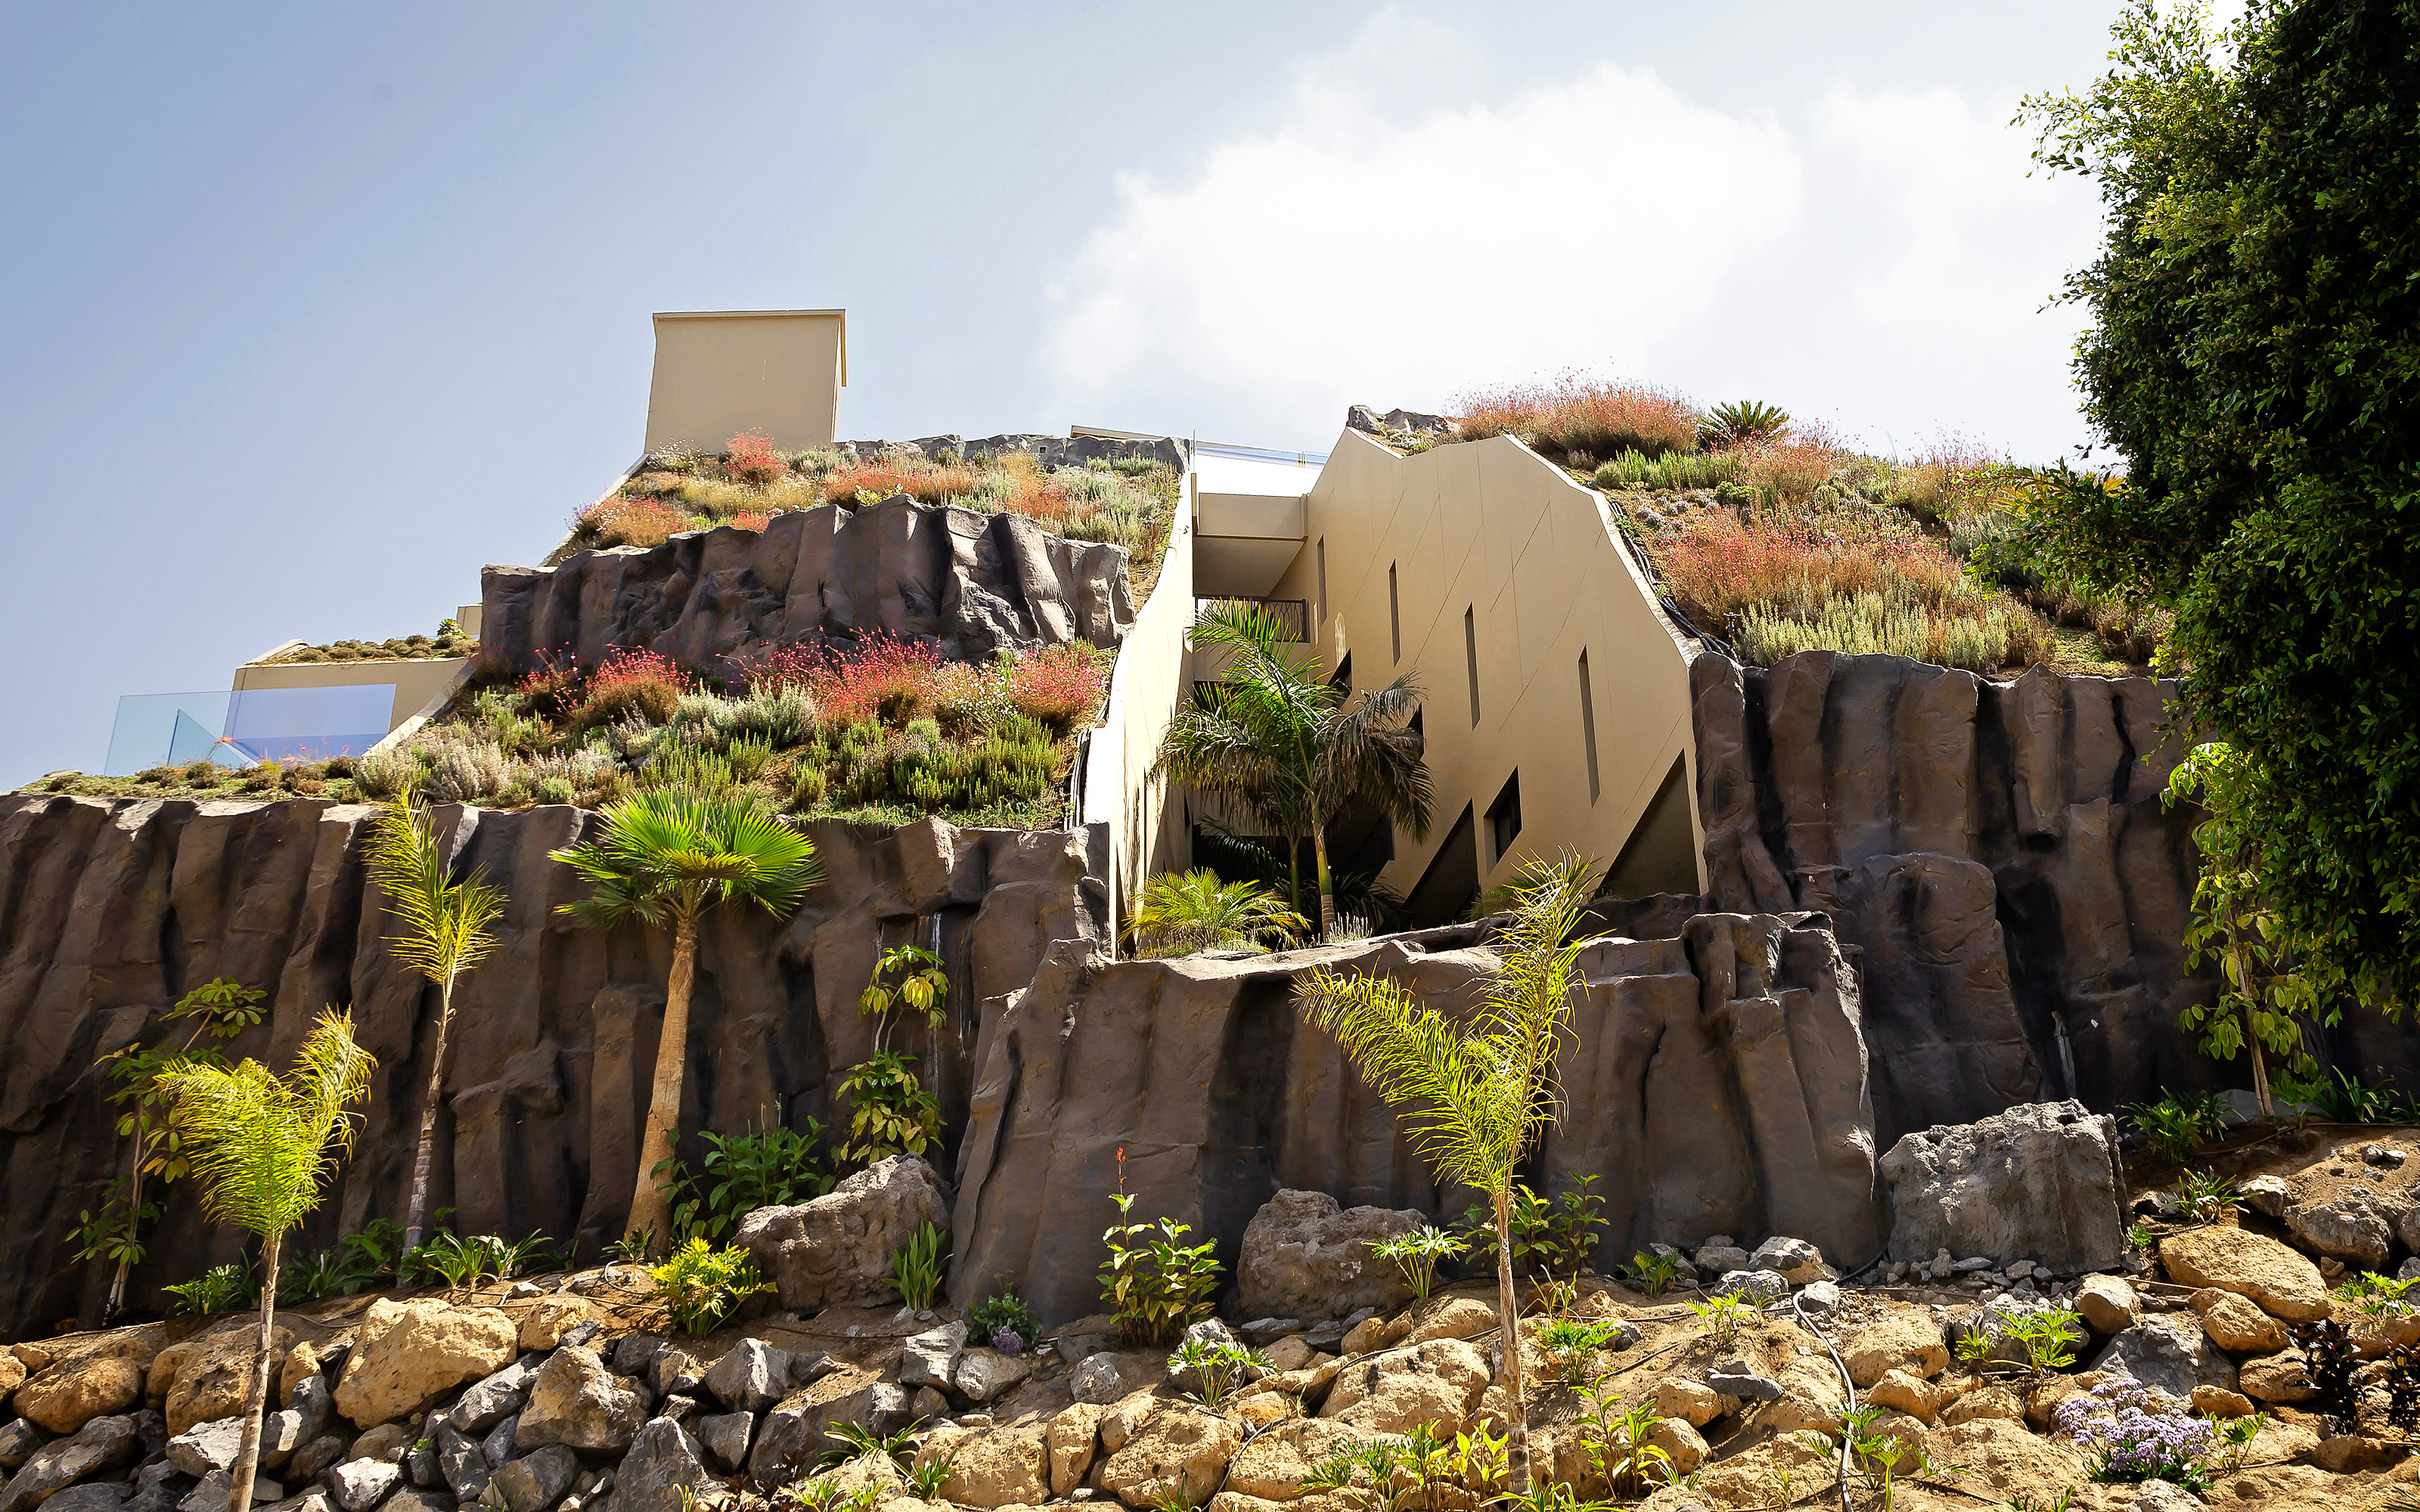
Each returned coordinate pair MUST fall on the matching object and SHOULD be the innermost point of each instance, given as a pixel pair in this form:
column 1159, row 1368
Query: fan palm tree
column 1281, row 740
column 667, row 855
column 447, row 931
column 1476, row 1096
column 261, row 1145
column 1181, row 912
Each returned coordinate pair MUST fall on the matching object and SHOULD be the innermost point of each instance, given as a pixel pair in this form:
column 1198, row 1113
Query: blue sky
column 313, row 311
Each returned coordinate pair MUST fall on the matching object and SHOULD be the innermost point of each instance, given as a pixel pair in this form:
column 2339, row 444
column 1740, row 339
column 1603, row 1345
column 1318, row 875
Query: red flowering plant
column 631, row 681
column 1060, row 684
column 750, row 458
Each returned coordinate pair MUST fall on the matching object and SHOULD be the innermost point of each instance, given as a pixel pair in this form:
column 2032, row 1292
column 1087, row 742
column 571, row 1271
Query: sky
column 316, row 310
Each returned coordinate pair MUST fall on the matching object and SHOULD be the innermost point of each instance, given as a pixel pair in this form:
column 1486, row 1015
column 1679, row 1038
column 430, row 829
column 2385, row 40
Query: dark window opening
column 1394, row 612
column 1446, row 890
column 1470, row 660
column 1504, row 818
column 1323, row 579
column 1343, row 678
column 1588, row 725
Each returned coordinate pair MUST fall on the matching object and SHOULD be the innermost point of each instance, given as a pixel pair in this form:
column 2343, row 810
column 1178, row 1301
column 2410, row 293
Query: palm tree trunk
column 421, row 1162
column 134, row 1220
column 1508, row 1333
column 1293, row 870
column 255, row 1402
column 1327, row 885
column 651, row 1209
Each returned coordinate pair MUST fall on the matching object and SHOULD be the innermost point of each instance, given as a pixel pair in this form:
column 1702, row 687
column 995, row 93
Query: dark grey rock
column 92, row 1496
column 360, row 1485
column 491, row 1401
column 497, row 1446
column 724, row 1438
column 538, row 1481
column 2349, row 1227
column 207, row 1446
column 314, row 1499
column 1757, row 1287
column 157, row 1487
column 806, row 1369
column 1737, row 1378
column 210, row 1493
column 18, row 1441
column 663, row 1460
column 928, row 1359
column 462, row 1463
column 2038, row 1181
column 150, row 1435
column 1075, row 1349
column 753, row 1375
column 673, row 1369
column 1098, row 1379
column 2168, row 1350
column 104, row 1444
column 836, row 1250
column 632, row 1355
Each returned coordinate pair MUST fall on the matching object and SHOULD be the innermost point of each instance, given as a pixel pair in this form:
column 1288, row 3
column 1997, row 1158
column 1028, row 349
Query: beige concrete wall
column 721, row 372
column 1148, row 833
column 1492, row 528
column 415, row 682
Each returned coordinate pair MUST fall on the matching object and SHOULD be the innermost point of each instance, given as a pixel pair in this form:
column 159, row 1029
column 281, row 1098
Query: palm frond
column 446, row 923
column 670, row 854
column 260, row 1147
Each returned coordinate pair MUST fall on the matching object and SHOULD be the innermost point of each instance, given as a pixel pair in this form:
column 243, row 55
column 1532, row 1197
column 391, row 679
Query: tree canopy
column 2253, row 360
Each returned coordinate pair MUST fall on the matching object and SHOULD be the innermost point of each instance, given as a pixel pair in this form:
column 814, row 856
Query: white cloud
column 1884, row 266
column 1347, row 257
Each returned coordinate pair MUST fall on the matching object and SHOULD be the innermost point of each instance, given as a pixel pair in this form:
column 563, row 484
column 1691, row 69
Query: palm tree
column 260, row 1147
column 446, row 932
column 667, row 855
column 1181, row 912
column 1281, row 740
column 1476, row 1096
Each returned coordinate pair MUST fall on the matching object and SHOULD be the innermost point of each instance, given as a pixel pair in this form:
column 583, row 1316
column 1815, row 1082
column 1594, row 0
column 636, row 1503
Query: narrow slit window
column 1394, row 612
column 1470, row 660
column 1504, row 818
column 1588, row 724
column 1323, row 579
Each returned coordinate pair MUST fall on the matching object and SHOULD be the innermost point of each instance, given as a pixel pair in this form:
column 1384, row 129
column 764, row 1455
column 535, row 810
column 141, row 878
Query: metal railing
column 1292, row 613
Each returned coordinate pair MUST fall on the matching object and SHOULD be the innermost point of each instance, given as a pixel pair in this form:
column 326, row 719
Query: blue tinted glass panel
column 157, row 728
column 307, row 724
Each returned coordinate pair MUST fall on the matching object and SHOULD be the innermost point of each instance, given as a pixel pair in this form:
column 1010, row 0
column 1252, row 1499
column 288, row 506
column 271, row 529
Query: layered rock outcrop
column 112, row 910
column 1717, row 1083
column 974, row 583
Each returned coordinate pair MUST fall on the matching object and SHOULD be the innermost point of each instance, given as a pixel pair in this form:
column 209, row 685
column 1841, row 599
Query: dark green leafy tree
column 2253, row 360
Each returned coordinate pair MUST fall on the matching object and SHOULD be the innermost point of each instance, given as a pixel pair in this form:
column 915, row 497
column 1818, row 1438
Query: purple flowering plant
column 2131, row 1438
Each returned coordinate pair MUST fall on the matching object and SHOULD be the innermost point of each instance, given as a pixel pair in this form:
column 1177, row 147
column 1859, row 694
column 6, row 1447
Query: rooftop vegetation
column 1128, row 503
column 1782, row 538
column 449, row 640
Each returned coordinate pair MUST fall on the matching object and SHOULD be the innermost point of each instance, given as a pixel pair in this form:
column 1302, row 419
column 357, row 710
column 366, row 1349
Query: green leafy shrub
column 1215, row 1367
column 1179, row 912
column 1006, row 1313
column 216, row 1291
column 701, row 1285
column 1154, row 1286
column 768, row 1168
column 2205, row 1195
column 1653, row 1272
column 2178, row 1123
column 891, row 1113
column 1417, row 1254
column 1572, row 1344
column 916, row 1269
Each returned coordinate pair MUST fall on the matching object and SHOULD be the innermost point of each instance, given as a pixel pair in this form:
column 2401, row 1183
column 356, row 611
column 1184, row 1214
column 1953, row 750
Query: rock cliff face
column 1998, row 855
column 976, row 583
column 110, row 911
column 1716, row 1084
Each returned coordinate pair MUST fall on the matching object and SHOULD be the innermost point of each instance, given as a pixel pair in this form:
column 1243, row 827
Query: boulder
column 630, row 1355
column 209, row 1377
column 2107, row 1304
column 1743, row 1382
column 836, row 1250
column 2038, row 1181
column 1692, row 1402
column 986, row 1375
column 1439, row 1384
column 2276, row 1378
column 462, row 1462
column 2279, row 1279
column 1273, row 1465
column 536, row 1481
column 1179, row 1450
column 663, row 1462
column 576, row 1402
column 1794, row 1260
column 304, row 1417
column 992, row 1467
column 2211, row 1402
column 359, row 1484
column 92, row 1496
column 724, row 1438
column 406, row 1354
column 2267, row 1195
column 674, row 1371
column 214, row 1491
column 1757, row 1287
column 751, row 1377
column 1904, row 1341
column 1305, row 1257
column 2234, row 1325
column 801, row 1431
column 2169, row 1351
column 491, row 1401
column 551, row 1317
column 319, row 1454
column 1680, row 1443
column 498, row 1446
column 207, row 1446
column 1449, row 1318
column 2347, row 1227
column 157, row 1489
column 931, row 1358
column 1099, row 1378
column 1070, row 1437
column 19, row 1439
column 1903, row 1393
column 99, row 1445
column 77, row 1390
column 386, row 1442
column 1715, row 1260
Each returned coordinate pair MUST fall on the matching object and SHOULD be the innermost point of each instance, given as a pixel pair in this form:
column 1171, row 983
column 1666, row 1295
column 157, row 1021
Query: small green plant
column 1617, row 1443
column 2049, row 1335
column 768, row 1168
column 1417, row 1254
column 214, row 1290
column 916, row 1269
column 1560, row 1235
column 891, row 1113
column 1479, row 1461
column 1368, row 1474
column 1653, row 1272
column 927, row 1479
column 919, row 983
column 2349, row 1100
column 1216, row 1369
column 1972, row 1346
column 1573, row 1344
column 2022, row 1503
column 469, row 1262
column 2138, row 1236
column 2378, row 1294
column 2205, row 1195
column 631, row 1247
column 856, row 1442
column 820, row 1493
column 1005, row 1313
column 1179, row 912
column 1877, row 1457
column 1154, row 1286
column 2297, row 1092
column 2176, row 1126
column 1740, row 422
column 1720, row 1316
column 2235, row 1434
column 701, row 1285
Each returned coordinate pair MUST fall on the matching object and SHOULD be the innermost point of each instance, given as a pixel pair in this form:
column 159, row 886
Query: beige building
column 1556, row 713
column 718, row 373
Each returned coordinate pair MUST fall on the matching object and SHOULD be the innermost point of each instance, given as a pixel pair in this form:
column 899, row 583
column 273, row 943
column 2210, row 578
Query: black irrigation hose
column 1807, row 1321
